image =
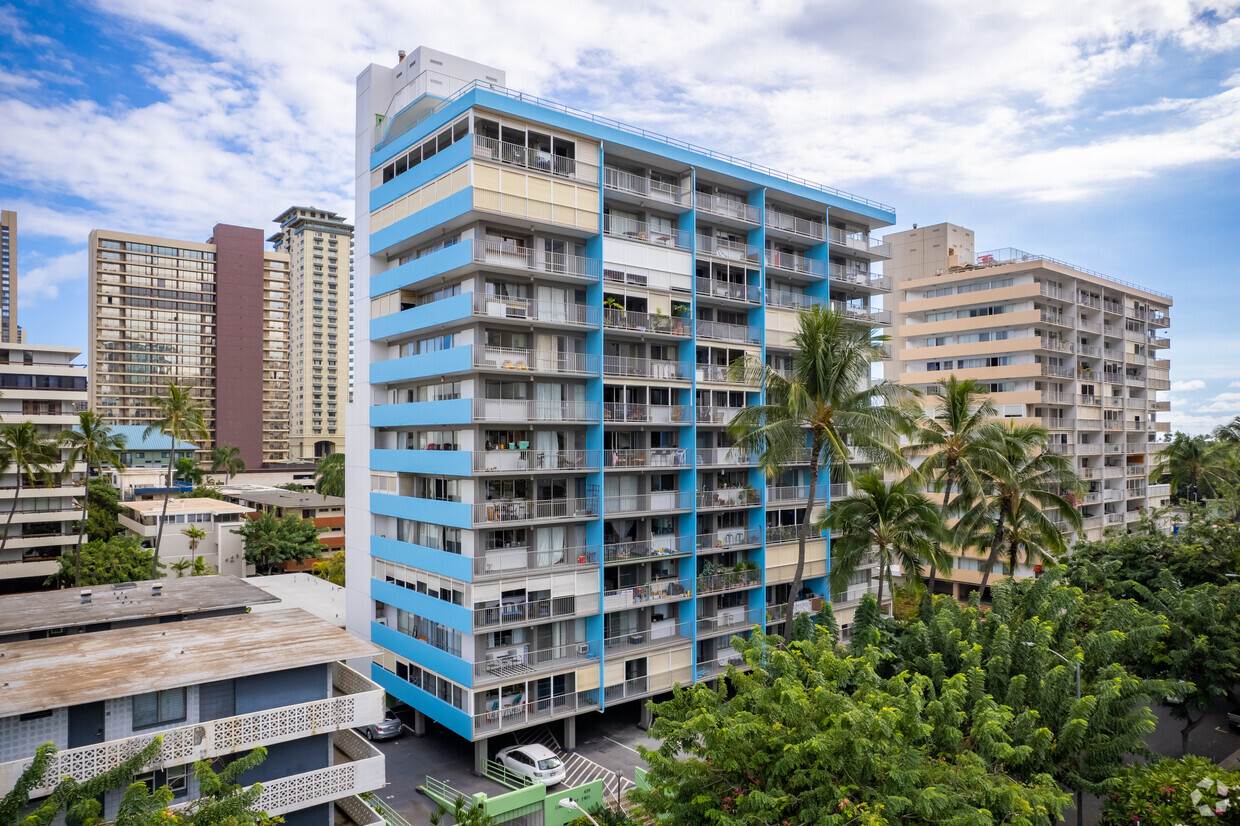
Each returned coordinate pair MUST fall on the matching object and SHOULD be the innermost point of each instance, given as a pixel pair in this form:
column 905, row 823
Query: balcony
column 714, row 667
column 656, row 547
column 519, row 511
column 663, row 235
column 654, row 457
column 722, row 374
column 860, row 278
column 786, row 300
column 511, row 154
column 728, row 498
column 535, row 361
column 656, row 502
column 642, row 368
column 794, row 493
column 1056, row 397
column 507, row 461
column 617, row 180
column 355, row 701
column 522, row 715
column 641, row 686
column 730, row 621
column 727, row 290
column 1058, row 370
column 515, row 663
column 529, row 613
column 795, row 264
column 1113, row 307
column 734, row 333
column 507, row 255
column 860, row 242
column 1058, row 319
column 645, row 413
column 1056, row 345
column 779, row 534
column 802, row 227
column 663, row 590
column 723, row 456
column 535, row 410
column 535, row 311
column 728, row 539
column 1089, row 326
column 728, row 581
column 665, row 634
column 357, row 767
column 728, row 250
column 646, row 323
column 515, row 561
column 1159, row 490
column 864, row 315
column 727, row 208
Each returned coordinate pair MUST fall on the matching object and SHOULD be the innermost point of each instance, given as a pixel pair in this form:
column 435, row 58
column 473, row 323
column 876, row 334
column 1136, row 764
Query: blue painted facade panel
column 423, row 365
column 446, row 311
column 425, row 655
column 420, row 556
column 447, row 411
column 434, row 462
column 424, row 605
column 419, row 269
column 422, row 174
column 448, row 716
column 424, row 220
column 453, row 514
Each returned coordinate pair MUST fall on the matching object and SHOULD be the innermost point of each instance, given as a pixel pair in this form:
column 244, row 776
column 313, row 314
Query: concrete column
column 419, row 724
column 647, row 718
column 570, row 733
column 480, row 756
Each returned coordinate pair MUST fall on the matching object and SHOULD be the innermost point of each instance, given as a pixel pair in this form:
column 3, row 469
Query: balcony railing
column 727, row 207
column 668, row 634
column 728, row 581
column 723, row 374
column 654, row 413
column 535, row 410
column 356, row 702
column 791, row 301
column 536, row 361
column 1057, row 318
column 528, row 510
column 505, row 561
column 652, row 548
column 641, row 686
column 859, row 241
column 667, row 500
column 500, row 461
column 715, row 288
column 814, row 230
column 508, row 664
column 721, row 248
column 656, row 457
column 491, row 149
column 357, row 768
column 531, row 309
column 509, row 255
column 724, row 456
column 614, row 319
column 664, row 590
column 720, row 331
column 776, row 534
column 796, row 263
column 634, row 367
column 620, row 181
column 729, row 498
column 543, row 610
column 859, row 277
column 1058, row 370
column 795, row 493
column 864, row 315
column 726, row 539
column 730, row 620
column 633, row 230
column 709, row 414
column 522, row 715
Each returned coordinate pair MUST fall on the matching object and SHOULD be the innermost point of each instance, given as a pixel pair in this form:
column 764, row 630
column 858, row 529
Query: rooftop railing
column 1007, row 255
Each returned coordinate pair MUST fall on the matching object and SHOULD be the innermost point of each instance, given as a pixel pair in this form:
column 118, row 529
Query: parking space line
column 622, row 745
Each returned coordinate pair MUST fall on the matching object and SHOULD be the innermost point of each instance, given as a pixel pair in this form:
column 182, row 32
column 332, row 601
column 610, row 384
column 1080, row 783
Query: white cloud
column 1195, row 423
column 1222, row 403
column 1234, row 384
column 1185, row 386
column 43, row 281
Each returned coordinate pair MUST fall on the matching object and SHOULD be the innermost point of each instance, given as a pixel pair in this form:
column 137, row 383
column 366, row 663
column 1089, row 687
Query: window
column 159, row 708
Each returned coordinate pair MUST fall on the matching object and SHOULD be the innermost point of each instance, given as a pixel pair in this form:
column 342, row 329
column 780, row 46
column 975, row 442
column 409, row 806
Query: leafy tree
column 102, row 508
column 329, row 475
column 954, row 441
column 826, row 401
column 1194, row 466
column 228, row 459
column 187, row 470
column 94, row 443
column 271, row 541
column 894, row 522
column 77, row 801
column 181, row 417
column 331, row 569
column 104, row 561
column 462, row 813
column 204, row 491
column 809, row 736
column 1204, row 551
column 32, row 455
column 292, row 486
column 1173, row 793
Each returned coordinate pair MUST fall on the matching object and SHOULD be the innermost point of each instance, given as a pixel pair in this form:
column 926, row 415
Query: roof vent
column 86, row 597
column 157, row 589
column 402, row 54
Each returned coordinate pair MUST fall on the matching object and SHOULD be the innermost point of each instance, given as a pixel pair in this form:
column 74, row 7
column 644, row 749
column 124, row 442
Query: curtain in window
column 550, row 545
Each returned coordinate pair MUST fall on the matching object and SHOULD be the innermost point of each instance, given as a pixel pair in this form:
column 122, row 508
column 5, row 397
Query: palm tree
column 827, row 401
column 228, row 459
column 954, row 442
column 187, row 470
column 1196, row 466
column 94, row 443
column 31, row 454
column 180, row 418
column 1027, row 480
column 896, row 522
column 329, row 475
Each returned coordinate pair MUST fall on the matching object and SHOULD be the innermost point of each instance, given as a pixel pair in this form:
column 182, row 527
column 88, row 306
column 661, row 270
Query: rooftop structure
column 306, row 591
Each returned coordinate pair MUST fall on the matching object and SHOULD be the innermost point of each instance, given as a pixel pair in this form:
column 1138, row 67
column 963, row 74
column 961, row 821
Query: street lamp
column 569, row 803
column 1079, row 810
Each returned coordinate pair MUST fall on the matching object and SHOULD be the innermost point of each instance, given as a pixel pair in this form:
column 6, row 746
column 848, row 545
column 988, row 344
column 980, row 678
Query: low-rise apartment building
column 219, row 547
column 327, row 512
column 216, row 684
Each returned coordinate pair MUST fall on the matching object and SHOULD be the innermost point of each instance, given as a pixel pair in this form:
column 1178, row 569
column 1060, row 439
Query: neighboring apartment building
column 212, row 317
column 327, row 512
column 1055, row 344
column 39, row 384
column 546, row 513
column 183, row 658
column 320, row 247
column 9, row 331
column 219, row 547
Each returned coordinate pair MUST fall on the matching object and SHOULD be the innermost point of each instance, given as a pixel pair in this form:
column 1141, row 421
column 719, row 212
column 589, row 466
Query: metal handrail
column 1006, row 255
column 538, row 160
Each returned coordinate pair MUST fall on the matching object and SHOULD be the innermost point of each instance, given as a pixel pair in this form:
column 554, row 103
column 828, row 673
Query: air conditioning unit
column 583, row 649
column 382, row 621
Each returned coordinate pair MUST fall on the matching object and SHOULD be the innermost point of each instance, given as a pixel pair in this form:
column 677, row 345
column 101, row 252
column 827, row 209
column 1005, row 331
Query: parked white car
column 536, row 762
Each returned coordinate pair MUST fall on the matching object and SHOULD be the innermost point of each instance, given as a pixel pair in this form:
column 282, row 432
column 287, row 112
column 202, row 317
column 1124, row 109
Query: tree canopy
column 104, row 561
column 271, row 541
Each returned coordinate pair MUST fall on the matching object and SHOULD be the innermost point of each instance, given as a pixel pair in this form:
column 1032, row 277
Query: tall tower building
column 8, row 278
column 210, row 316
column 1054, row 344
column 546, row 513
column 320, row 249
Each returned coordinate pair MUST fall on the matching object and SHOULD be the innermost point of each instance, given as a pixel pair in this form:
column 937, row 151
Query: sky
column 1105, row 133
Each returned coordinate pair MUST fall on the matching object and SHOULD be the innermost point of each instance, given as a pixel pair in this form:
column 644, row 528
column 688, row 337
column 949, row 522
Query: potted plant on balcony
column 612, row 303
column 679, row 313
column 659, row 321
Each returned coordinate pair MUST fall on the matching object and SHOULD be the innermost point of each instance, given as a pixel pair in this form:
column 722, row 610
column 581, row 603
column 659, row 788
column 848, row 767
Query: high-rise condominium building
column 40, row 385
column 551, row 518
column 1054, row 344
column 320, row 248
column 8, row 278
column 211, row 317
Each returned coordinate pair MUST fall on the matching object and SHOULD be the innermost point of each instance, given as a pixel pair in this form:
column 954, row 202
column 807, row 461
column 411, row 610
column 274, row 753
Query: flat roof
column 64, row 671
column 197, row 504
column 280, row 498
column 303, row 590
column 41, row 610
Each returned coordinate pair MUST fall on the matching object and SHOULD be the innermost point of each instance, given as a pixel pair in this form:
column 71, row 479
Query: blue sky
column 1107, row 135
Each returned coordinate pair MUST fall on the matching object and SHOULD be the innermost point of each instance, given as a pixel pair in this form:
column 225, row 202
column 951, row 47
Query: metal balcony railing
column 667, row 500
column 500, row 461
column 726, row 539
column 654, row 413
column 664, row 590
column 535, row 361
column 728, row 620
column 776, row 534
column 796, row 263
column 491, row 149
column 528, row 510
column 722, row 373
column 531, row 309
column 505, row 561
column 633, row 230
column 729, row 250
column 543, row 610
column 731, row 290
column 728, row 581
column 729, row 498
column 535, row 410
column 641, row 640
column 620, row 181
column 653, row 457
column 724, row 456
column 720, row 331
column 635, row 367
column 727, row 207
column 785, row 300
column 795, row 493
column 518, row 715
column 814, row 230
column 614, row 319
column 510, row 255
column 709, row 414
column 652, row 548
column 513, row 663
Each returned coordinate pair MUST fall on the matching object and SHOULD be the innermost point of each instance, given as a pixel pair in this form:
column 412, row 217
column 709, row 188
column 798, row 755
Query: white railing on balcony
column 641, row 686
column 537, row 361
column 358, row 768
column 860, row 241
column 723, row 374
column 636, row 367
column 655, row 546
column 358, row 702
column 498, row 461
column 728, row 581
column 525, row 613
column 724, row 657
column 1058, row 370
column 515, row 662
column 656, row 457
column 1113, row 518
column 356, row 810
column 710, row 414
column 795, row 493
column 716, row 288
column 1056, row 397
column 1109, row 306
column 724, row 456
column 1057, row 318
column 727, row 207
column 535, row 410
column 1159, row 490
column 665, row 500
column 523, row 714
column 634, row 184
column 729, row 498
column 1057, row 345
column 508, row 254
column 532, row 309
column 664, row 590
column 725, row 539
column 776, row 534
column 614, row 319
column 862, row 314
column 721, row 331
column 633, row 230
column 815, row 230
column 525, row 510
column 796, row 263
column 791, row 301
column 667, row 634
column 491, row 149
column 730, row 619
column 730, row 250
column 503, row 561
column 655, row 413
column 859, row 277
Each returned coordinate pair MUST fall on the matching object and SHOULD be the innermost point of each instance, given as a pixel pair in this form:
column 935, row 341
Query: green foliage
column 329, row 475
column 197, row 567
column 180, row 417
column 331, row 569
column 206, row 490
column 1203, row 551
column 76, row 801
column 603, row 816
column 12, row 803
column 271, row 541
column 1197, row 467
column 292, row 486
column 187, row 470
column 1172, row 792
column 119, row 559
column 103, row 504
column 462, row 814
column 812, row 737
column 228, row 459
